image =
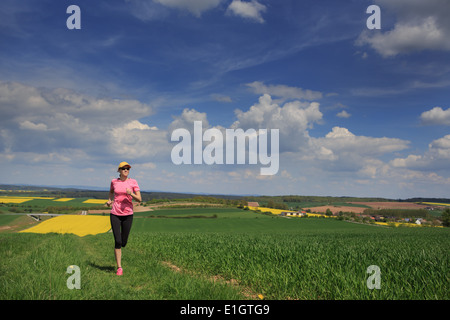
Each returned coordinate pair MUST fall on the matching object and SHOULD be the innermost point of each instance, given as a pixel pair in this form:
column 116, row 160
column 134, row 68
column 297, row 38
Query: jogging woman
column 121, row 194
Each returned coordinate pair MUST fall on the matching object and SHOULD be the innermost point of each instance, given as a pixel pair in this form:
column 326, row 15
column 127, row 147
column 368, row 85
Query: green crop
column 231, row 254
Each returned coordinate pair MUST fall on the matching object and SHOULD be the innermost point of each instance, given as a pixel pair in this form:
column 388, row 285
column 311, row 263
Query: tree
column 446, row 217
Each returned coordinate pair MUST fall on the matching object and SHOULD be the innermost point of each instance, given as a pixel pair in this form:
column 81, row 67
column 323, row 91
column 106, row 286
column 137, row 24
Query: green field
column 48, row 205
column 228, row 253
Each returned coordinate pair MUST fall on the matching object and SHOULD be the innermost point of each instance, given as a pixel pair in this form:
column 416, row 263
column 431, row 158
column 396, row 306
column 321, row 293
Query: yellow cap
column 123, row 164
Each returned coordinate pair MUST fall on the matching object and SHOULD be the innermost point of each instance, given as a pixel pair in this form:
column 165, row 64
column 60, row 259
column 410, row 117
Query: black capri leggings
column 121, row 226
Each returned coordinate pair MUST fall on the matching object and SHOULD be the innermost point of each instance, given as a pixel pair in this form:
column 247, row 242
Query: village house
column 252, row 204
column 293, row 214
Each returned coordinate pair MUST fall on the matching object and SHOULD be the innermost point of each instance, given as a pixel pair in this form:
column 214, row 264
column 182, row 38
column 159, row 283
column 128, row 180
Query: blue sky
column 360, row 112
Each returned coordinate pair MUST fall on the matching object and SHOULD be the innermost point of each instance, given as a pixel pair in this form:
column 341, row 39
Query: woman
column 123, row 190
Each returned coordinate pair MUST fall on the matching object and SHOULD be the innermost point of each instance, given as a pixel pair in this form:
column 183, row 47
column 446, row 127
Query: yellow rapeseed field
column 279, row 211
column 437, row 204
column 81, row 225
column 99, row 201
column 14, row 199
column 64, row 199
column 401, row 224
column 20, row 199
column 274, row 211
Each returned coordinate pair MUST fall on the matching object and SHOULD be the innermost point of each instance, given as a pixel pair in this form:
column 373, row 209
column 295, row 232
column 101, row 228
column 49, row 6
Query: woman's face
column 124, row 171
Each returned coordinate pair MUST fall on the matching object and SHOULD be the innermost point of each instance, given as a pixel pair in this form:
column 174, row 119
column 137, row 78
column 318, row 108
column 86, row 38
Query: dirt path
column 22, row 222
column 247, row 292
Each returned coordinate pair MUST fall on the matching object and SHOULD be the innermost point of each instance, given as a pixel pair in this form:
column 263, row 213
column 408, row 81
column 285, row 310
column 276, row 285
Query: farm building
column 253, row 204
column 293, row 214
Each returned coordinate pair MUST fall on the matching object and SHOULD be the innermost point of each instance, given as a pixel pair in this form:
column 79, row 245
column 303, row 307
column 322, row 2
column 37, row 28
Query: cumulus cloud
column 421, row 25
column 343, row 114
column 28, row 125
column 293, row 120
column 341, row 140
column 45, row 121
column 284, row 92
column 436, row 116
column 342, row 151
column 186, row 120
column 436, row 157
column 156, row 9
column 250, row 10
column 137, row 140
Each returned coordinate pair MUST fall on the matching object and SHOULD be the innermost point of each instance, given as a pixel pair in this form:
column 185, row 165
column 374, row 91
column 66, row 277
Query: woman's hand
column 108, row 203
column 129, row 191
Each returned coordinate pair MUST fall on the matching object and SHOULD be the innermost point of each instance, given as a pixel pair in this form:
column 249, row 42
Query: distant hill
column 438, row 200
column 99, row 193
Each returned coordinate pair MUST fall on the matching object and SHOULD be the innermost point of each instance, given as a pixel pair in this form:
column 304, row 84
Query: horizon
column 359, row 110
column 98, row 189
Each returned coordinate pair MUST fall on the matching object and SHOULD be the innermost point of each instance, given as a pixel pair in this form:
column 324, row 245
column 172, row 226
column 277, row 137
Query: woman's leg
column 116, row 226
column 121, row 227
column 118, row 255
column 127, row 221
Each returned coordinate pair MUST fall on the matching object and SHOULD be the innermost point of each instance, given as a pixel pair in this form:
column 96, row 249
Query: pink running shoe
column 119, row 271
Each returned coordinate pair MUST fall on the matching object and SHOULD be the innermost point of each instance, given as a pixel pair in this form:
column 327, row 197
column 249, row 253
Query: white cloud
column 250, row 10
column 135, row 124
column 196, row 7
column 52, row 157
column 406, row 38
column 341, row 151
column 44, row 122
column 28, row 125
column 68, row 130
column 136, row 140
column 436, row 157
column 343, row 114
column 436, row 116
column 409, row 161
column 221, row 98
column 371, row 168
column 293, row 119
column 421, row 25
column 186, row 120
column 156, row 9
column 284, row 92
column 341, row 140
column 442, row 144
column 338, row 132
column 147, row 165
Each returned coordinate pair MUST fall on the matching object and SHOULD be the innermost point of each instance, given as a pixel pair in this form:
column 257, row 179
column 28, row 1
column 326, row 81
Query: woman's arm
column 111, row 197
column 136, row 196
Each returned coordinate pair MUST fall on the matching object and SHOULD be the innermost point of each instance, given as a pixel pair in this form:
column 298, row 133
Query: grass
column 237, row 255
column 36, row 269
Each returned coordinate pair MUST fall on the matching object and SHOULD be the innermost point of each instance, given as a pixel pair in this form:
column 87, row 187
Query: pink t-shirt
column 123, row 205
